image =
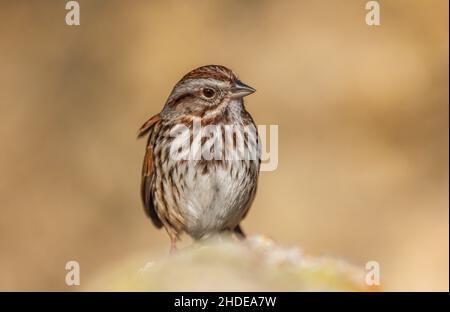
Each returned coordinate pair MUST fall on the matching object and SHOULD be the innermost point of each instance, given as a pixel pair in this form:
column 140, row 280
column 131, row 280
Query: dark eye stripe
column 181, row 98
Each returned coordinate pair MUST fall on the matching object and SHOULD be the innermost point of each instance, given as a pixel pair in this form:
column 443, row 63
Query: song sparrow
column 200, row 196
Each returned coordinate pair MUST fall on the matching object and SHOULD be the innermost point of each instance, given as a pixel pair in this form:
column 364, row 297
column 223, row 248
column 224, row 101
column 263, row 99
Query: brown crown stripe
column 217, row 72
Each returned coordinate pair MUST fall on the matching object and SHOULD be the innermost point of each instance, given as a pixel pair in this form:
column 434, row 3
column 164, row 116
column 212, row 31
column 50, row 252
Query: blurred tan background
column 362, row 114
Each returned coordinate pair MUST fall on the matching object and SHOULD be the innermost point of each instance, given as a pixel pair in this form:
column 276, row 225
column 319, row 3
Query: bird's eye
column 208, row 93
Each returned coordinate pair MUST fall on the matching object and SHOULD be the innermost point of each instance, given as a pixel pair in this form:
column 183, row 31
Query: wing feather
column 148, row 172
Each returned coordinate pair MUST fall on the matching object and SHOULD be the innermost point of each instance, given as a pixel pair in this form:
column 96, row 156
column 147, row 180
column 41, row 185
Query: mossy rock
column 225, row 264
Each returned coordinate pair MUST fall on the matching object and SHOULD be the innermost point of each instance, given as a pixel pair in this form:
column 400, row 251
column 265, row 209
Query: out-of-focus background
column 362, row 114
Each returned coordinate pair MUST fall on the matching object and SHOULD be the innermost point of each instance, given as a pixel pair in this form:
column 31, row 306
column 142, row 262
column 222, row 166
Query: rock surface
column 224, row 264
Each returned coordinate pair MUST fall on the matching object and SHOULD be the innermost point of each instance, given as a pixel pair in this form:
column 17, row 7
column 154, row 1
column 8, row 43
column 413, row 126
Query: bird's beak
column 239, row 90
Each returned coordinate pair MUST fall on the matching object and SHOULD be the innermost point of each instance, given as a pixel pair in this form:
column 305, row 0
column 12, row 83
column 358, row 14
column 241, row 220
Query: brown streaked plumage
column 211, row 193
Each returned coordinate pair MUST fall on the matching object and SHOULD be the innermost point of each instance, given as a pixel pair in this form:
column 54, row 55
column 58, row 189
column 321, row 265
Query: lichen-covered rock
column 224, row 264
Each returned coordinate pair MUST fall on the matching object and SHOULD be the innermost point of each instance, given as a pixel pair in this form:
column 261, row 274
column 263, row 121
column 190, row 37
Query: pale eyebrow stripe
column 197, row 82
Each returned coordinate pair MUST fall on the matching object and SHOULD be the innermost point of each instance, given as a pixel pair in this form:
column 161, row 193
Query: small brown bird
column 200, row 196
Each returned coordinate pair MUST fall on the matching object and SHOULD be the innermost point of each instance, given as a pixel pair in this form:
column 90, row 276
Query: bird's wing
column 148, row 172
column 148, row 125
